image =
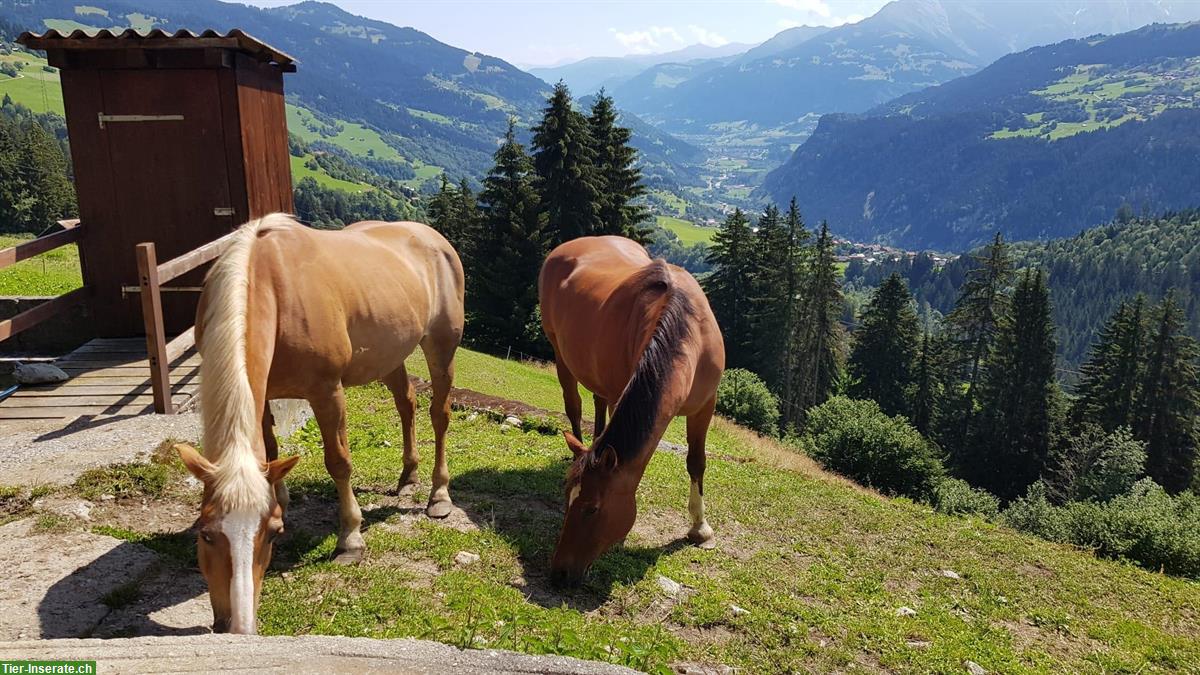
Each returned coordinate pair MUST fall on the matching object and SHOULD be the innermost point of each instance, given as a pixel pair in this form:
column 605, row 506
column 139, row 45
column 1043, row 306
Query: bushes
column 1146, row 525
column 745, row 399
column 854, row 438
column 956, row 497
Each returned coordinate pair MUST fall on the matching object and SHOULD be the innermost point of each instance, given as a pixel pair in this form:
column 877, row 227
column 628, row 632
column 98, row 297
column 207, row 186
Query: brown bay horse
column 289, row 312
column 640, row 335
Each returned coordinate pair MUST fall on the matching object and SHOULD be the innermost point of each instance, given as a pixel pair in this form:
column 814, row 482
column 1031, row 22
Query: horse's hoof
column 349, row 557
column 703, row 537
column 439, row 509
column 407, row 487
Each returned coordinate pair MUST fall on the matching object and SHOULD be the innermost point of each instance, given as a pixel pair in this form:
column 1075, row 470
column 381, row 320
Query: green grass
column 688, row 233
column 355, row 138
column 430, row 116
column 300, row 171
column 820, row 566
column 35, row 88
column 51, row 273
column 1148, row 89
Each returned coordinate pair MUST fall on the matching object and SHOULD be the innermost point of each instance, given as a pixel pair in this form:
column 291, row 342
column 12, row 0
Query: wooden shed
column 176, row 139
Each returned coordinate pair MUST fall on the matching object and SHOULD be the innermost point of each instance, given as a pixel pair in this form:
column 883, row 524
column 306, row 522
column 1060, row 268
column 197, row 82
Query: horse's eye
column 589, row 511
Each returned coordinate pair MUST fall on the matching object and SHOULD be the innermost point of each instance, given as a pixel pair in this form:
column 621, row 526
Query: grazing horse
column 640, row 335
column 291, row 312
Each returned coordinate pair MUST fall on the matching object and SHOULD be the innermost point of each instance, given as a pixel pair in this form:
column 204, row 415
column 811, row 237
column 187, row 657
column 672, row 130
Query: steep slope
column 1040, row 144
column 434, row 102
column 906, row 46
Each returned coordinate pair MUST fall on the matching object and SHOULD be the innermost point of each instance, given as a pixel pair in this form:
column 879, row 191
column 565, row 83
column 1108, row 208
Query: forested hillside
column 1089, row 275
column 1038, row 145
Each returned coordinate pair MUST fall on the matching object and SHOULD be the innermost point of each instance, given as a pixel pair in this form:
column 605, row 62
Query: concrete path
column 293, row 655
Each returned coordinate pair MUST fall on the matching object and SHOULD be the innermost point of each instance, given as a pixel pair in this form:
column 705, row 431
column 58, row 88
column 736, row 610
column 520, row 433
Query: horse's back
column 592, row 291
column 354, row 303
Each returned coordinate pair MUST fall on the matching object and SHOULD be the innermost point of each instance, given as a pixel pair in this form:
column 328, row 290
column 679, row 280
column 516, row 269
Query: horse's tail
column 227, row 404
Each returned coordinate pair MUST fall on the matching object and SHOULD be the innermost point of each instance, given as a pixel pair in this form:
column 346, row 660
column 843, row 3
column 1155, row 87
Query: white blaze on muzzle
column 241, row 529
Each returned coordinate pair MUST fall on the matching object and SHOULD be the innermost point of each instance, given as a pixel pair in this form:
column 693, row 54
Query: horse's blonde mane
column 227, row 404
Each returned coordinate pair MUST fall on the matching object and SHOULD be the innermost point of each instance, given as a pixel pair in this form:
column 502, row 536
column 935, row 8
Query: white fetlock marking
column 241, row 528
column 351, row 517
column 696, row 506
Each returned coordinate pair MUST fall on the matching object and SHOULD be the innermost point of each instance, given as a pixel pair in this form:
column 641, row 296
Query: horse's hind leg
column 330, row 412
column 406, row 404
column 272, row 447
column 439, row 355
column 571, row 399
column 701, row 533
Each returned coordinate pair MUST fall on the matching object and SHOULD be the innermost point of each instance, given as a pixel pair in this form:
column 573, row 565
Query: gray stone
column 975, row 669
column 72, row 508
column 669, row 586
column 300, row 655
column 905, row 611
column 950, row 574
column 513, row 421
column 465, row 558
column 39, row 373
column 738, row 611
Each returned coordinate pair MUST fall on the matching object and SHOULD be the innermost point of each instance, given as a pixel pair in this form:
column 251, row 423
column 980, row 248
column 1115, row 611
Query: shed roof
column 158, row 39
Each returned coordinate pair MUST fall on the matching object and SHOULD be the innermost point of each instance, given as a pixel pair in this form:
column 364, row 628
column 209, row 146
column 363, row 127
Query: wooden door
column 166, row 146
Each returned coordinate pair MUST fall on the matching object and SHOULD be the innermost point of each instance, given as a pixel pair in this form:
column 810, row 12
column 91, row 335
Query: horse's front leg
column 405, row 398
column 330, row 411
column 701, row 533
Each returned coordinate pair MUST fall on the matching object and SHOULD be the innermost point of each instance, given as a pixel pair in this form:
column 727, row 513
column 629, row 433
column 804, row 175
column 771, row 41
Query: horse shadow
column 117, row 594
column 525, row 508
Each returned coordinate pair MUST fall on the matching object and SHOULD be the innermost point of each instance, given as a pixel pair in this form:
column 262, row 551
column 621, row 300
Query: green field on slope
column 809, row 575
column 687, row 232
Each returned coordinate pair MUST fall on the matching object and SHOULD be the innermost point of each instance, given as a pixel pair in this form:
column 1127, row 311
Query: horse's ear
column 576, row 446
column 608, row 458
column 279, row 468
column 196, row 464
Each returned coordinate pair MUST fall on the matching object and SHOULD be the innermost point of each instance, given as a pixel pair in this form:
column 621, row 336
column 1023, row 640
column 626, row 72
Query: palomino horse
column 290, row 312
column 640, row 335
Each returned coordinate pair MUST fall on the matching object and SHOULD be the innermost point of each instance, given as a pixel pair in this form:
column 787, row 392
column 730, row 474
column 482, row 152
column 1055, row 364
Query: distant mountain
column 666, row 161
column 435, row 104
column 588, row 75
column 1040, row 144
column 782, row 41
column 906, row 46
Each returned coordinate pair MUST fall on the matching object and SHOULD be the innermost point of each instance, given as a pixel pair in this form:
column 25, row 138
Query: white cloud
column 650, row 40
column 818, row 7
column 816, row 13
column 708, row 37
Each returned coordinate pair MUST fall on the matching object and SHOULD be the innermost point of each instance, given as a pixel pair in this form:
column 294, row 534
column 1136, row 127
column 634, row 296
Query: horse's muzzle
column 564, row 578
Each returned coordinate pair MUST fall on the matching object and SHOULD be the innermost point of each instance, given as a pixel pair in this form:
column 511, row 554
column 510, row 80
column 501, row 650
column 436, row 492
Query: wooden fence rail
column 70, row 234
column 151, row 277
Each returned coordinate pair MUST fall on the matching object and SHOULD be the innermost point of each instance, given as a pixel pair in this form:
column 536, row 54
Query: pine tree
column 922, row 397
column 885, row 348
column 442, row 210
column 467, row 223
column 511, row 245
column 1017, row 395
column 730, row 287
column 1170, row 400
column 1110, row 381
column 768, row 299
column 795, row 266
column 820, row 340
column 620, row 179
column 972, row 328
column 564, row 160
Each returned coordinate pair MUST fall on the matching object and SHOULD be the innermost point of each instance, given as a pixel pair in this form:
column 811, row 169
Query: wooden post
column 156, row 342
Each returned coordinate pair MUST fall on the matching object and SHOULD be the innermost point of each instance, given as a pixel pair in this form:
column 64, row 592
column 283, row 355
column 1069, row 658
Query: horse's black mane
column 634, row 415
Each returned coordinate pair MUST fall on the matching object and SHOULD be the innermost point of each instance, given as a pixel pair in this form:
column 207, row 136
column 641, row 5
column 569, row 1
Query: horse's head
column 235, row 540
column 601, row 508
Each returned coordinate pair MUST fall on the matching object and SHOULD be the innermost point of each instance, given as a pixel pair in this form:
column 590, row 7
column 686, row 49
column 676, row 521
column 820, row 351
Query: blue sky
column 542, row 32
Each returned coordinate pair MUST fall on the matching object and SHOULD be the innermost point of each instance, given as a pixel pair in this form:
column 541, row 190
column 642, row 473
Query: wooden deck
column 108, row 377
